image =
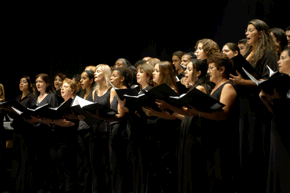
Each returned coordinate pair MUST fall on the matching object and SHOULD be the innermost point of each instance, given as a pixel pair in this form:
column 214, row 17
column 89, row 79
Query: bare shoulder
column 201, row 88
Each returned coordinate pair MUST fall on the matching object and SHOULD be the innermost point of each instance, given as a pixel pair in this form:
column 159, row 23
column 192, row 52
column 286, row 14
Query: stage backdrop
column 66, row 37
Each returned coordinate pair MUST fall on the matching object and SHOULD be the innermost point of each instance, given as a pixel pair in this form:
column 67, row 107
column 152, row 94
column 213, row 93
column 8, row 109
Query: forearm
column 63, row 123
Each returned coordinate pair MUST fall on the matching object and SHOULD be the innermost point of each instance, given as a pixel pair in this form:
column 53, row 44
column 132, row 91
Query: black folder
column 277, row 80
column 122, row 92
column 197, row 99
column 59, row 112
column 80, row 106
column 239, row 63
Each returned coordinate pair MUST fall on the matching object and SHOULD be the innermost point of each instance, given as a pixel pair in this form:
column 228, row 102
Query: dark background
column 65, row 37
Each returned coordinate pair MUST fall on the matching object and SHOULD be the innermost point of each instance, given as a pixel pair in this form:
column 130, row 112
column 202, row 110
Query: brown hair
column 266, row 42
column 60, row 75
column 148, row 69
column 46, row 79
column 167, row 74
column 232, row 46
column 209, row 46
column 2, row 96
column 221, row 60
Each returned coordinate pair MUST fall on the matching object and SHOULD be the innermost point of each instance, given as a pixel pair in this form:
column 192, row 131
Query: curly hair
column 209, row 46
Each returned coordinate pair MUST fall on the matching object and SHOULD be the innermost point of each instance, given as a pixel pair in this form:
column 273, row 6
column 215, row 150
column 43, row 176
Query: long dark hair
column 266, row 42
column 203, row 79
column 28, row 79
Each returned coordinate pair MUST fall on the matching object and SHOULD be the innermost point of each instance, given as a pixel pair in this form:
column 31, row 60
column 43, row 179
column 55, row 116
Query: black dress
column 21, row 140
column 143, row 151
column 279, row 165
column 219, row 145
column 191, row 162
column 121, row 175
column 99, row 150
column 255, row 126
column 41, row 163
column 64, row 173
column 85, row 135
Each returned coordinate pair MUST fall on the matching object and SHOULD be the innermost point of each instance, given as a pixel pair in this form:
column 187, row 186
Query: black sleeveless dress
column 121, row 177
column 85, row 135
column 99, row 150
column 21, row 141
column 191, row 162
column 220, row 147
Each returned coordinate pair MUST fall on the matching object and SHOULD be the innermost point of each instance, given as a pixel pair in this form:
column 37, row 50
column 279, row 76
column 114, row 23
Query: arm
column 179, row 112
column 228, row 97
column 59, row 122
column 164, row 114
column 239, row 80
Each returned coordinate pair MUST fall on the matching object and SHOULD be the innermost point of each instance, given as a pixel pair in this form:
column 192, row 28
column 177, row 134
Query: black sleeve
column 269, row 59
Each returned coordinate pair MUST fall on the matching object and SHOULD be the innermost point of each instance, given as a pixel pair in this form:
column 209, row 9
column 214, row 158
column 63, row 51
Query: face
column 253, row 35
column 190, row 73
column 118, row 64
column 213, row 72
column 229, row 52
column 40, row 85
column 199, row 52
column 176, row 62
column 85, row 81
column 99, row 75
column 23, row 84
column 141, row 77
column 284, row 63
column 288, row 37
column 116, row 79
column 66, row 91
column 242, row 48
column 185, row 59
column 57, row 82
column 156, row 73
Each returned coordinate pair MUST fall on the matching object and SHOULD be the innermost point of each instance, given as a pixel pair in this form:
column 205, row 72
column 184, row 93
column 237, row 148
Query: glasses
column 211, row 68
column 65, row 87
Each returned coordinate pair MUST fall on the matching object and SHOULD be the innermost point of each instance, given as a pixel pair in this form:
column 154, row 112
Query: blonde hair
column 2, row 96
column 107, row 74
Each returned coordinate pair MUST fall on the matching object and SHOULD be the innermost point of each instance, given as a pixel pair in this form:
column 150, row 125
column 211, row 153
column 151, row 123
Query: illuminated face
column 85, row 81
column 66, row 91
column 57, row 82
column 226, row 50
column 213, row 72
column 116, row 79
column 23, row 85
column 156, row 73
column 252, row 35
column 141, row 77
column 99, row 75
column 190, row 74
column 284, row 63
column 40, row 85
column 185, row 59
column 199, row 52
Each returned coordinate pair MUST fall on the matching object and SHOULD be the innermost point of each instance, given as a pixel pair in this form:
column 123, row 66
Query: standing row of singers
column 241, row 147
